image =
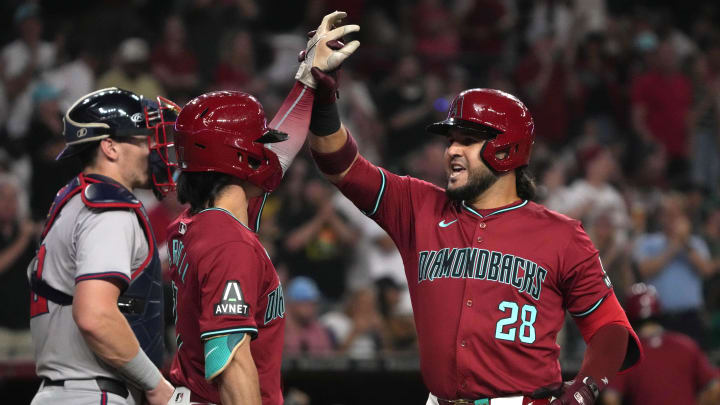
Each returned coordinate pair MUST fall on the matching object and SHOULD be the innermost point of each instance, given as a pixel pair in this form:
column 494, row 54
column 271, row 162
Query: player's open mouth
column 456, row 169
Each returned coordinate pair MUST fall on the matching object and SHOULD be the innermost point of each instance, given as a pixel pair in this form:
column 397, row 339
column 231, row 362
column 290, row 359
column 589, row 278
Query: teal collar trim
column 227, row 212
column 514, row 207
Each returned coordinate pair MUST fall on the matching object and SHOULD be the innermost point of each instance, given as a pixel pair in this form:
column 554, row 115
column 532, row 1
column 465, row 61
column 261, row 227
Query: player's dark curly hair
column 525, row 183
column 201, row 189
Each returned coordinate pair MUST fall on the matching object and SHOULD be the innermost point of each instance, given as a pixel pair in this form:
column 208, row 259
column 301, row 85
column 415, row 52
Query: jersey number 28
column 526, row 334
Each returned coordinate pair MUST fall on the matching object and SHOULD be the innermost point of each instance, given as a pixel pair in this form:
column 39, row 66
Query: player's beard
column 478, row 181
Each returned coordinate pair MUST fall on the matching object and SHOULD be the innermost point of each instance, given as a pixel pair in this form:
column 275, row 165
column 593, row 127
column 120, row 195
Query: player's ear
column 110, row 149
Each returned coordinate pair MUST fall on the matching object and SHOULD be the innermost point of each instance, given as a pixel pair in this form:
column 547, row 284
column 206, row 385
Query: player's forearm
column 605, row 354
column 293, row 118
column 239, row 382
column 108, row 334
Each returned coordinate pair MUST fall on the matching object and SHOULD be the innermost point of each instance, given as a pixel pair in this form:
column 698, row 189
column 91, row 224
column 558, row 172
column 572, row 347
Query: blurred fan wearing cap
column 304, row 334
column 131, row 70
column 675, row 370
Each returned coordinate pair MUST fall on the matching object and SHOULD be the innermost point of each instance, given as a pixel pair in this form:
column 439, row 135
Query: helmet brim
column 272, row 136
column 444, row 127
column 74, row 150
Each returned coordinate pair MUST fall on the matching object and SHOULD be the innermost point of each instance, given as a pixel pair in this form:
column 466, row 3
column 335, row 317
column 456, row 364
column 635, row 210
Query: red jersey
column 489, row 288
column 224, row 282
column 672, row 361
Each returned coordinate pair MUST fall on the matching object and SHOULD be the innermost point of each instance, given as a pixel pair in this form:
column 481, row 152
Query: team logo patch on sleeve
column 232, row 302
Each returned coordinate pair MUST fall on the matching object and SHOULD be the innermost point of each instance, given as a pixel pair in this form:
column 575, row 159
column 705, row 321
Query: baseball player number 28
column 527, row 330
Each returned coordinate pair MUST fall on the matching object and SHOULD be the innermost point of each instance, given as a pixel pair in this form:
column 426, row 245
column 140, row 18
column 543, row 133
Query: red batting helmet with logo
column 226, row 132
column 496, row 112
column 642, row 302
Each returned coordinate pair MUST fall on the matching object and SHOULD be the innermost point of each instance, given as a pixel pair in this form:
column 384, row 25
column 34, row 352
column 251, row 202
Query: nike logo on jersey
column 443, row 224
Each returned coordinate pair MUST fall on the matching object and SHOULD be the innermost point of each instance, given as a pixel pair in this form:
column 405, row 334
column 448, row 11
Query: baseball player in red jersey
column 672, row 361
column 490, row 272
column 229, row 303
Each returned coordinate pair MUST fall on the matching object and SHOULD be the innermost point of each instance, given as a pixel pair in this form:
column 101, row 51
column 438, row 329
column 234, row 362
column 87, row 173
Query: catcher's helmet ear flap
column 642, row 302
column 493, row 111
column 226, row 131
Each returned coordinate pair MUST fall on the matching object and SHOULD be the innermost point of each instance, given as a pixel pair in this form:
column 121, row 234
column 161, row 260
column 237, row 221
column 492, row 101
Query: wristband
column 338, row 161
column 325, row 119
column 141, row 371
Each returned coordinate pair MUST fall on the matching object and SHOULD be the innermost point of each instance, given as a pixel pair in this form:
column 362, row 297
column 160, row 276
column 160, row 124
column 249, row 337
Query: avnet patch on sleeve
column 232, row 302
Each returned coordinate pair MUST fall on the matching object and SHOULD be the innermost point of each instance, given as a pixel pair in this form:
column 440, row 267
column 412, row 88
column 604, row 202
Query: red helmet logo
column 226, row 131
column 483, row 109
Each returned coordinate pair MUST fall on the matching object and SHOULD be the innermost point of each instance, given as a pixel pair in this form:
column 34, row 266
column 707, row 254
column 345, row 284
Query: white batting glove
column 318, row 54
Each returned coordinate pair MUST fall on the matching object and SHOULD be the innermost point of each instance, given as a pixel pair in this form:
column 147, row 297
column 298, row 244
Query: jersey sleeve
column 385, row 197
column 583, row 280
column 704, row 372
column 108, row 245
column 229, row 289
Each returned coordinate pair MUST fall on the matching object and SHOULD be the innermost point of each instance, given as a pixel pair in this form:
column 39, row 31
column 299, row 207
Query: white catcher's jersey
column 82, row 244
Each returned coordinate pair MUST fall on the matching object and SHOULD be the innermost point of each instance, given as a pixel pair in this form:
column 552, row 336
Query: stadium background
column 625, row 95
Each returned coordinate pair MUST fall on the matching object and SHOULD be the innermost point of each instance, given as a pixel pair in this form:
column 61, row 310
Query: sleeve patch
column 219, row 351
column 232, row 302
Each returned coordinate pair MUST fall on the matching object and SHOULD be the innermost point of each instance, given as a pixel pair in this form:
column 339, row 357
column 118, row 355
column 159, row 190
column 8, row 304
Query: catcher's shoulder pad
column 108, row 196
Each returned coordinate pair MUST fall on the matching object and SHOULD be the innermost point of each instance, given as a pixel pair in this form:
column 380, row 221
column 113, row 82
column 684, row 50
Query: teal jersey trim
column 379, row 197
column 218, row 353
column 522, row 204
column 214, row 333
column 589, row 311
column 262, row 206
column 227, row 212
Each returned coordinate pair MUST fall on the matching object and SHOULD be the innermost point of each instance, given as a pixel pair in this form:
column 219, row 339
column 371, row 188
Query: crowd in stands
column 625, row 98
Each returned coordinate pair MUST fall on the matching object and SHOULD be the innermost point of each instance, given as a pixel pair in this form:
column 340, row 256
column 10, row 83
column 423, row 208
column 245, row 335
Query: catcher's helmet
column 225, row 131
column 496, row 112
column 117, row 113
column 642, row 303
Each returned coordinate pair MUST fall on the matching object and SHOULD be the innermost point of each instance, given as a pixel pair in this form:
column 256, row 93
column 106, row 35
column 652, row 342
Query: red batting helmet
column 226, row 131
column 642, row 303
column 480, row 110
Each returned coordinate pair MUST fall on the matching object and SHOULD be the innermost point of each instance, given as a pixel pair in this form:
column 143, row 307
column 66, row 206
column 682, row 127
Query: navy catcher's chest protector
column 142, row 301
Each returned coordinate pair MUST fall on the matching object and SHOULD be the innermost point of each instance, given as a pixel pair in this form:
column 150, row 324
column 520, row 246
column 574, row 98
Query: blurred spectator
column 304, row 333
column 593, row 195
column 600, row 91
column 130, row 74
column 661, row 101
column 545, row 86
column 674, row 370
column 358, row 330
column 43, row 143
column 237, row 67
column 675, row 262
column 173, row 64
column 24, row 60
column 550, row 18
column 318, row 241
column 396, row 311
column 75, row 78
column 485, row 26
column 435, row 34
column 17, row 248
column 705, row 123
column 615, row 252
column 407, row 101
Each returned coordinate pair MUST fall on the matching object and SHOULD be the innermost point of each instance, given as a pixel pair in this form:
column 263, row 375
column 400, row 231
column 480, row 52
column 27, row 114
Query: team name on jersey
column 178, row 260
column 481, row 264
column 276, row 305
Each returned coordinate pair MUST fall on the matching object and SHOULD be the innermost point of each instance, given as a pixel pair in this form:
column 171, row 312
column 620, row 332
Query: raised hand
column 319, row 55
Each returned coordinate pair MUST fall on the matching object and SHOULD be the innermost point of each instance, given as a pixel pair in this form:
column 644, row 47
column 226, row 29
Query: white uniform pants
column 80, row 392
